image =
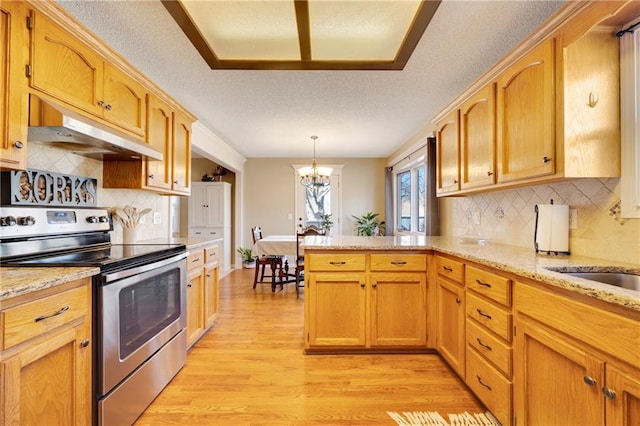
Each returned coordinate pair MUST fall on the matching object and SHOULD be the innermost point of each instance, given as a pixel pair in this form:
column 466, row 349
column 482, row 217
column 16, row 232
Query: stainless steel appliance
column 139, row 300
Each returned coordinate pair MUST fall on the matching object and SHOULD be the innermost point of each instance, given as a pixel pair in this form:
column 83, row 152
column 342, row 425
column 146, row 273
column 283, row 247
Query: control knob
column 26, row 221
column 7, row 221
column 92, row 219
column 103, row 219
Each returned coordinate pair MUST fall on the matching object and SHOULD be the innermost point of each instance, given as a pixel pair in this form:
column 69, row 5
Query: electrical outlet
column 573, row 218
column 156, row 218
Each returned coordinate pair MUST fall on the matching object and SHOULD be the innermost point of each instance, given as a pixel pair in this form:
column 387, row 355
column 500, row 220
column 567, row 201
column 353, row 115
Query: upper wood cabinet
column 478, row 139
column 526, row 116
column 181, row 154
column 14, row 49
column 157, row 174
column 68, row 70
column 448, row 154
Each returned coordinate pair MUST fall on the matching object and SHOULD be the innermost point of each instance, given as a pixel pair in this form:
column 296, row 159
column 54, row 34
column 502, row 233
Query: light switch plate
column 156, row 218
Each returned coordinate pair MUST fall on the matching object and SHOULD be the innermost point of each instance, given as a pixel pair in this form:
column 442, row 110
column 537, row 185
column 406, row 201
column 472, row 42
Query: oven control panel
column 16, row 222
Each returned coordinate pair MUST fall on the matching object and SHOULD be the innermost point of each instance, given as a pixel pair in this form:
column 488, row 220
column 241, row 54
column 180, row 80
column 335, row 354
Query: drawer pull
column 608, row 393
column 362, row 285
column 484, row 345
column 483, row 314
column 446, row 268
column 482, row 383
column 197, row 259
column 398, row 262
column 483, row 283
column 589, row 380
column 56, row 313
column 333, row 262
column 85, row 343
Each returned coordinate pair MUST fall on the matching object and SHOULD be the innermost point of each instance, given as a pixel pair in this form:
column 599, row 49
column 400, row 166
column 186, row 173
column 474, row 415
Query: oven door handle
column 114, row 276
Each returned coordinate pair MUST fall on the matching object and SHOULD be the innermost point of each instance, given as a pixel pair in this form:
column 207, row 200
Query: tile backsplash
column 508, row 217
column 43, row 157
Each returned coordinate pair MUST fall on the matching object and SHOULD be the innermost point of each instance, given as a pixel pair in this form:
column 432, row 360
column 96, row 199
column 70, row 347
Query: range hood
column 56, row 126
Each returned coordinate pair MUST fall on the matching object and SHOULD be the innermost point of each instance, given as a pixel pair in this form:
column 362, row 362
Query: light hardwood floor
column 250, row 370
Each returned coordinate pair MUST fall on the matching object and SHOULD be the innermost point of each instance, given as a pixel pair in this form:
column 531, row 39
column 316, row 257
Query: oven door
column 140, row 310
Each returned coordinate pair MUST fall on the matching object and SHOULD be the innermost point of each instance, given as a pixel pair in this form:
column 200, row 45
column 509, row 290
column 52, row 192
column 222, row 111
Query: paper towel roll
column 552, row 228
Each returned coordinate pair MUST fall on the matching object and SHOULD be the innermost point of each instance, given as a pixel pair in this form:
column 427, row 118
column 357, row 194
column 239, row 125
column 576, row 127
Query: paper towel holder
column 535, row 237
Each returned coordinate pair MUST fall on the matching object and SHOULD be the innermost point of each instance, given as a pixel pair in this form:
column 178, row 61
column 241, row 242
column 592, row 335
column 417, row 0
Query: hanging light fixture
column 314, row 176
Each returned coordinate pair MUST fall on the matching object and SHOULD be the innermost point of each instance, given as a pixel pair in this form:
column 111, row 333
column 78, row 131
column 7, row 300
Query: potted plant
column 248, row 261
column 326, row 223
column 369, row 224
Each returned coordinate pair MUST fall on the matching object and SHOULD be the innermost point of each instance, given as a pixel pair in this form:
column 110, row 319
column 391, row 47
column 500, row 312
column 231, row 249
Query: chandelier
column 314, row 176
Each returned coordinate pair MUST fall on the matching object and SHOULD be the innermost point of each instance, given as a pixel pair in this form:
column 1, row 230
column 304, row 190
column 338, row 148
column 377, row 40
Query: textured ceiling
column 354, row 113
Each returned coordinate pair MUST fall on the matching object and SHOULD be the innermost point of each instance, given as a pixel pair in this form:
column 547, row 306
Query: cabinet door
column 336, row 309
column 549, row 368
column 624, row 407
column 211, row 294
column 398, row 309
column 195, row 306
column 63, row 67
column 49, row 382
column 14, row 50
column 477, row 139
column 448, row 158
column 198, row 208
column 159, row 136
column 450, row 338
column 125, row 101
column 526, row 117
column 181, row 163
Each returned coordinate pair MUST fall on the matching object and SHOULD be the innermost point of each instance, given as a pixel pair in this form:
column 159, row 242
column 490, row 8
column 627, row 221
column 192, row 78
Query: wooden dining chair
column 299, row 270
column 274, row 261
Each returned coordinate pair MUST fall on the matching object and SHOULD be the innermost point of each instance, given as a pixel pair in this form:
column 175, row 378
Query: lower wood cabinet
column 451, row 324
column 567, row 349
column 378, row 302
column 45, row 363
column 202, row 291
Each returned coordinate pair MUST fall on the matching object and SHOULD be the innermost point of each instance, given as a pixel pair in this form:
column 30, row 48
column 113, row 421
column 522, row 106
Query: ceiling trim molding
column 423, row 16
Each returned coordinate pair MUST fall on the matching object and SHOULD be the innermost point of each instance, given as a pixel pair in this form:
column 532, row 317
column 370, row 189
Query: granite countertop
column 191, row 242
column 517, row 260
column 16, row 281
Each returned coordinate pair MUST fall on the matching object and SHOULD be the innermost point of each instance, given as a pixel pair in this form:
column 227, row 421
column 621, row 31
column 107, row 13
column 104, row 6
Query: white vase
column 129, row 235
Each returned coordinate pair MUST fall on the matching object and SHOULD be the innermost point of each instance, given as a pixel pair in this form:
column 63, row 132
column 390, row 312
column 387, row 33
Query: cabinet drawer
column 205, row 232
column 490, row 316
column 195, row 259
column 450, row 268
column 493, row 349
column 398, row 262
column 337, row 262
column 211, row 254
column 31, row 319
column 488, row 284
column 490, row 386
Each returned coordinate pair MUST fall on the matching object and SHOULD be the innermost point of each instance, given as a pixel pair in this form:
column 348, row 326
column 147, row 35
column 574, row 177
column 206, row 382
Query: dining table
column 279, row 245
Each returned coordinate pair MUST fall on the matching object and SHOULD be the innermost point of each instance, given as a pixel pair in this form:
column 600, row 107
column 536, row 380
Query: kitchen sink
column 618, row 279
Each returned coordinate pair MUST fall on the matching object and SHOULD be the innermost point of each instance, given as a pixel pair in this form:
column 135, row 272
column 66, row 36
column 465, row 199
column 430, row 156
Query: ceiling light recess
column 304, row 34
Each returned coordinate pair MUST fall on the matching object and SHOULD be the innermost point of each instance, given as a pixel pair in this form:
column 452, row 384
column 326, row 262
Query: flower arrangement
column 215, row 175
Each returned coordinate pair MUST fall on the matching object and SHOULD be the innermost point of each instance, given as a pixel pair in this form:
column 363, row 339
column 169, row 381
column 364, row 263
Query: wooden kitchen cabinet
column 566, row 347
column 46, row 360
column 350, row 305
column 195, row 296
column 448, row 154
column 66, row 69
column 14, row 56
column 211, row 285
column 478, row 140
column 169, row 132
column 526, row 137
column 450, row 322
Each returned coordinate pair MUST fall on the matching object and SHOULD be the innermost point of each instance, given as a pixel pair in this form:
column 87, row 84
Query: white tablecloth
column 276, row 244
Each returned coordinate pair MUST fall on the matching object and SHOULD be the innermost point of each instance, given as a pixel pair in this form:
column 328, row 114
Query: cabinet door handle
column 152, row 176
column 85, row 343
column 489, row 173
column 374, row 285
column 589, row 380
column 484, row 345
column 398, row 262
column 337, row 263
column 208, row 275
column 175, row 182
column 18, row 144
column 458, row 300
column 482, row 283
column 56, row 313
column 611, row 394
column 197, row 259
column 446, row 268
column 483, row 314
column 101, row 104
column 362, row 285
column 189, row 285
column 108, row 107
column 482, row 383
column 546, row 159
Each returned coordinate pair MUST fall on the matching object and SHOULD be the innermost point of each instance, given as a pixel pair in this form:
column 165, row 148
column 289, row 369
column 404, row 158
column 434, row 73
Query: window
column 317, row 204
column 312, row 203
column 411, row 199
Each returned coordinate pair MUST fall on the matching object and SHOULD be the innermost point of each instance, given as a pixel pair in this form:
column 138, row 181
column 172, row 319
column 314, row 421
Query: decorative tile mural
column 44, row 157
column 508, row 217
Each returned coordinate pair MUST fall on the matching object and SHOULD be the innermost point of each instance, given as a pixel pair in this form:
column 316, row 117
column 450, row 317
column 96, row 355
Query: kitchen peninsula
column 506, row 324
